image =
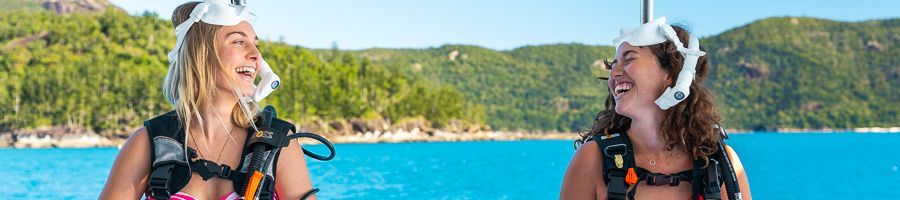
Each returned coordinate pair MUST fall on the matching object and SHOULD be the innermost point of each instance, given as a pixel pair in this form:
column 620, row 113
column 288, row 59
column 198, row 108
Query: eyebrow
column 628, row 52
column 613, row 63
column 240, row 33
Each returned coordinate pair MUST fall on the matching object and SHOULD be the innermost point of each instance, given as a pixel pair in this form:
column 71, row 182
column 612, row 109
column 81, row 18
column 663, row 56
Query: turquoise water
column 780, row 166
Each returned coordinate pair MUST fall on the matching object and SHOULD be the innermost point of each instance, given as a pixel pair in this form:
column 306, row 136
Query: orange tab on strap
column 250, row 193
column 631, row 178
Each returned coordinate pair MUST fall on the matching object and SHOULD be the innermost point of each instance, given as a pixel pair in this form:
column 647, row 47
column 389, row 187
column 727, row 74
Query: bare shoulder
column 139, row 137
column 293, row 180
column 588, row 155
column 735, row 160
column 138, row 144
column 739, row 172
column 128, row 176
column 582, row 179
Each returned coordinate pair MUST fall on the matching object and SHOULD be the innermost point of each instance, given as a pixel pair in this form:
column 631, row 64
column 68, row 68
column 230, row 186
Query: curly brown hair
column 690, row 125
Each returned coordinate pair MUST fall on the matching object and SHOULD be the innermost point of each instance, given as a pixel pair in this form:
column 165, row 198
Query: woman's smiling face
column 636, row 80
column 238, row 54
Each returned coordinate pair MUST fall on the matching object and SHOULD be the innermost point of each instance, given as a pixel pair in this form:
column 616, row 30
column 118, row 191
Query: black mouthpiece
column 266, row 118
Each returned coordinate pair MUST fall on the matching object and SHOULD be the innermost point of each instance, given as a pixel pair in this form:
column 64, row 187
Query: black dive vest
column 620, row 171
column 172, row 163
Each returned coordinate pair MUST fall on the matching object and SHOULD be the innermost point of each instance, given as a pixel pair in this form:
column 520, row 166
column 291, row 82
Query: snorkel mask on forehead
column 219, row 12
column 656, row 32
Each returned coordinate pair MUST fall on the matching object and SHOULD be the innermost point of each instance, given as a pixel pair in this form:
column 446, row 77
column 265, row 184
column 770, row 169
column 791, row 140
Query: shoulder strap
column 618, row 164
column 170, row 170
column 717, row 172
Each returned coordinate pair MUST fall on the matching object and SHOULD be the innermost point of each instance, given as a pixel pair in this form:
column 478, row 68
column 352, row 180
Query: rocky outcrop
column 70, row 6
column 874, row 45
column 12, row 44
column 754, row 70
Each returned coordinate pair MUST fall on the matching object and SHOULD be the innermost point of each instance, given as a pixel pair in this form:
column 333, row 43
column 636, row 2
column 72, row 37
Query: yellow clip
column 603, row 137
column 619, row 161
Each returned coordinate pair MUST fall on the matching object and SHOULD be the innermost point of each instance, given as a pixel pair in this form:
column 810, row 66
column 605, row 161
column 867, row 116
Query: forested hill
column 102, row 71
column 769, row 74
column 808, row 73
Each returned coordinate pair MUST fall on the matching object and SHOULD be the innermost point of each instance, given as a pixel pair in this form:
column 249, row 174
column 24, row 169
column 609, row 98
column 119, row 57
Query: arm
column 583, row 175
column 128, row 176
column 293, row 179
column 740, row 173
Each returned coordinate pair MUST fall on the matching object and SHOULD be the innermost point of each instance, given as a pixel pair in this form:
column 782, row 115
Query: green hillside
column 103, row 71
column 808, row 73
column 770, row 74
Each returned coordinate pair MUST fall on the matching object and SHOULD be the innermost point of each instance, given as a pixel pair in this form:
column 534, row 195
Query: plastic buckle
column 159, row 178
column 656, row 179
column 159, row 183
column 712, row 179
column 225, row 171
column 676, row 180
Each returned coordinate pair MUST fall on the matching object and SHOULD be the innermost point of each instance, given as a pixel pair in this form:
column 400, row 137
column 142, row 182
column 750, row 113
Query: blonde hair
column 190, row 82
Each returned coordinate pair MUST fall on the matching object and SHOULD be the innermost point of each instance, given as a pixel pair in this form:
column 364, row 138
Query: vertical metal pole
column 646, row 11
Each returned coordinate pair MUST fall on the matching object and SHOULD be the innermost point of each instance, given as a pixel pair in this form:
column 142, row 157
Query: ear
column 670, row 81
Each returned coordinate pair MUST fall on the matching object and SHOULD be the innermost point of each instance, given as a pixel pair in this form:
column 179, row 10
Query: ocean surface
column 779, row 166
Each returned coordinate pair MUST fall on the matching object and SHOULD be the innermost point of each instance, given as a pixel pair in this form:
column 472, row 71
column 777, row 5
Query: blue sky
column 506, row 24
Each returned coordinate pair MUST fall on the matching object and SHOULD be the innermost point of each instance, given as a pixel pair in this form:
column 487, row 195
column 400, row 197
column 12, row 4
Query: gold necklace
column 206, row 145
column 221, row 151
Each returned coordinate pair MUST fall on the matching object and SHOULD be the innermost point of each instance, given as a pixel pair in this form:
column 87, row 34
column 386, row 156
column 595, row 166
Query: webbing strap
column 159, row 181
column 617, row 159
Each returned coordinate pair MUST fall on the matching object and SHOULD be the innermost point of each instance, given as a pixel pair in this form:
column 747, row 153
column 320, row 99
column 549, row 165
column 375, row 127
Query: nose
column 253, row 54
column 615, row 73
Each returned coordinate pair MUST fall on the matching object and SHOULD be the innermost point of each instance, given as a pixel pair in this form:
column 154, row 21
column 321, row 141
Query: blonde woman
column 198, row 150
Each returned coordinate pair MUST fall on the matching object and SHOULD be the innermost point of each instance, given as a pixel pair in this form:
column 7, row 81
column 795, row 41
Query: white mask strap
column 681, row 90
column 656, row 32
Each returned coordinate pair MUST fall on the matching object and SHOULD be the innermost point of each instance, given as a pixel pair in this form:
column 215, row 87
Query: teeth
column 249, row 70
column 622, row 88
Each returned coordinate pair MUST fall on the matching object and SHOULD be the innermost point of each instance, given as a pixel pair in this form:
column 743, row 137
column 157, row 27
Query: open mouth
column 246, row 72
column 622, row 88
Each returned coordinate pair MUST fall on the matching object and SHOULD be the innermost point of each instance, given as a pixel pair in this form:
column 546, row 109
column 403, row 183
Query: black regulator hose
column 732, row 187
column 317, row 138
column 257, row 146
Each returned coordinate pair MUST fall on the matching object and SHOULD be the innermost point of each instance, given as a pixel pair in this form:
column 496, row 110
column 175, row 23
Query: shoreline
column 92, row 140
column 88, row 140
